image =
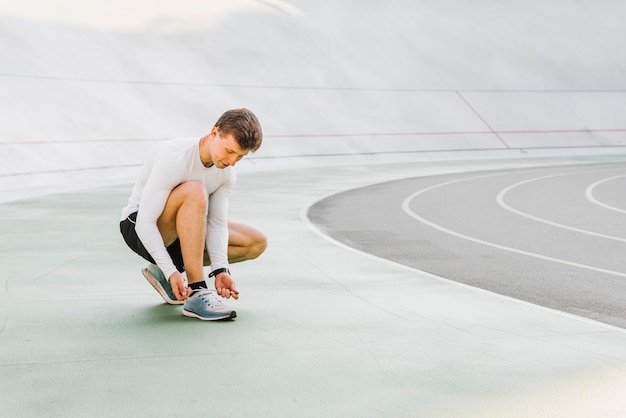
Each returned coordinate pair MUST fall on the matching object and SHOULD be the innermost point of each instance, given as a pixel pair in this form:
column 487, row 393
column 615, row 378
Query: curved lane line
column 503, row 204
column 408, row 211
column 592, row 199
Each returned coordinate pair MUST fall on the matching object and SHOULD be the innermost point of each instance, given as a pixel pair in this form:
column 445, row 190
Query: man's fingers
column 180, row 291
column 176, row 292
column 227, row 293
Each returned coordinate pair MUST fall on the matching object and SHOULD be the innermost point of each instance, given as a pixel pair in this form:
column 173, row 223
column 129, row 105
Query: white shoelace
column 211, row 297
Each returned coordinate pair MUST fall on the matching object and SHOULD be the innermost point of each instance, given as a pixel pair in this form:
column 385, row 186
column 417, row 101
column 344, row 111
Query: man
column 177, row 216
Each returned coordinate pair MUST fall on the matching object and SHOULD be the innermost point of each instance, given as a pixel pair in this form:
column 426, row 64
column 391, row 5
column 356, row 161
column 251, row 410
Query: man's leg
column 184, row 217
column 244, row 243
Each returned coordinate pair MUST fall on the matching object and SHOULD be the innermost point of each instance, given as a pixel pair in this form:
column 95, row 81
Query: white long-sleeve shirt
column 169, row 164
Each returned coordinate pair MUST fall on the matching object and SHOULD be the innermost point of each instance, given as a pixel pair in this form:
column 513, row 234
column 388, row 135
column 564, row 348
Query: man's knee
column 192, row 191
column 259, row 244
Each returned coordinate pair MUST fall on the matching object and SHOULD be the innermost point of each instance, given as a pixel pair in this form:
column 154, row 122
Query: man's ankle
column 198, row 285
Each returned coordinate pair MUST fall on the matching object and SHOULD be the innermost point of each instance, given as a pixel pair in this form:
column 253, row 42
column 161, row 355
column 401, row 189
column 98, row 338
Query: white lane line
column 503, row 204
column 408, row 211
column 592, row 199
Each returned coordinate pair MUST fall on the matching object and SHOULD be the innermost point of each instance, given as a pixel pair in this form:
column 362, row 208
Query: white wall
column 86, row 87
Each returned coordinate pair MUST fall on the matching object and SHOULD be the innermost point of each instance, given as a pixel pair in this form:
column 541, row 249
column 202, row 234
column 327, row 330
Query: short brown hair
column 244, row 126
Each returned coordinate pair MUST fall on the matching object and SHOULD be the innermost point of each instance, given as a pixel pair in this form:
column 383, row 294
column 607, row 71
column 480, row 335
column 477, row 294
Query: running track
column 555, row 237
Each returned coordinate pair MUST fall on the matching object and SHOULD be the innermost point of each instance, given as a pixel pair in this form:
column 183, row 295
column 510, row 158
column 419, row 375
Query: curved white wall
column 85, row 90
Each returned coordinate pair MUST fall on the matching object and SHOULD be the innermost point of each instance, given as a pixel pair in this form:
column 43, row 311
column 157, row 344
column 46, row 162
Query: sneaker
column 157, row 279
column 206, row 305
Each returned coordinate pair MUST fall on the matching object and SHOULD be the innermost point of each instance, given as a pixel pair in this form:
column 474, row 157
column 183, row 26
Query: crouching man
column 177, row 216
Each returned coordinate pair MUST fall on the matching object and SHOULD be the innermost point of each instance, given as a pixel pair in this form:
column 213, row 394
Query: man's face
column 225, row 150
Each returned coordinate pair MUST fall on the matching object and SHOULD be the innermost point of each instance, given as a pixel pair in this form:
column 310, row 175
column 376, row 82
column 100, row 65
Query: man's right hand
column 177, row 282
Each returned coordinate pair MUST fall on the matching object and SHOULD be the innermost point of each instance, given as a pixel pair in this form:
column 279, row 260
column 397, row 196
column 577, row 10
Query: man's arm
column 164, row 176
column 217, row 238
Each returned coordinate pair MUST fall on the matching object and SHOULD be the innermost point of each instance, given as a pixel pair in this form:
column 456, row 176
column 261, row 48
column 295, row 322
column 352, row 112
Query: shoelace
column 209, row 296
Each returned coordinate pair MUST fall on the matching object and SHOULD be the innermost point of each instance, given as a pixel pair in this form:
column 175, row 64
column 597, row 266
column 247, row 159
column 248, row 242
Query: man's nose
column 234, row 159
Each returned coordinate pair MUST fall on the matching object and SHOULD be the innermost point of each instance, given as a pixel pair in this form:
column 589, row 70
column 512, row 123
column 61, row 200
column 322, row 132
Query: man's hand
column 178, row 286
column 225, row 286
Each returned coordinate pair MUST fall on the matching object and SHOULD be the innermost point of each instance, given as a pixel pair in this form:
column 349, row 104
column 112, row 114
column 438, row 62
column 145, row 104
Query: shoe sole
column 157, row 286
column 190, row 314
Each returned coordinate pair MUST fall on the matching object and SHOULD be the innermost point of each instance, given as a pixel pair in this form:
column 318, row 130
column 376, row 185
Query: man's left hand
column 225, row 286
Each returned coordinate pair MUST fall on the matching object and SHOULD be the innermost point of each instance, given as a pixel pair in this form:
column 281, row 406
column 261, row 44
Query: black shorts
column 127, row 228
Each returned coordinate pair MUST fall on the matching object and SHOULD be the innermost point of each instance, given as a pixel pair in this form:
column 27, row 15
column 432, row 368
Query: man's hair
column 244, row 126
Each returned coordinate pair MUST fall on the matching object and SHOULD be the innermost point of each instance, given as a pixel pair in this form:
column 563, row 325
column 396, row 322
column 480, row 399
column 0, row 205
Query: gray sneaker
column 206, row 305
column 157, row 279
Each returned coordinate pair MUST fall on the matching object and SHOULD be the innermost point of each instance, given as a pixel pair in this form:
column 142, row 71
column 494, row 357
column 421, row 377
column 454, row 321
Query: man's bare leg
column 244, row 243
column 184, row 217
